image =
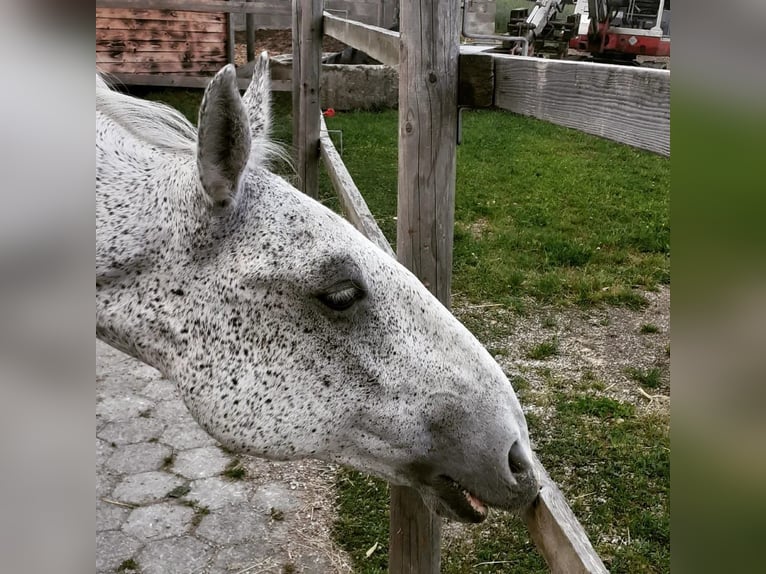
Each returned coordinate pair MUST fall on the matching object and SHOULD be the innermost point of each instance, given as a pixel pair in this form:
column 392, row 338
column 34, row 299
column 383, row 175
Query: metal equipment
column 622, row 29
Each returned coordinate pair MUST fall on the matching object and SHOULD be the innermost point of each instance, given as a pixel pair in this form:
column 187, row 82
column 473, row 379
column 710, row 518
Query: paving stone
column 135, row 458
column 146, row 487
column 216, row 492
column 109, row 516
column 161, row 390
column 156, row 521
column 254, row 555
column 186, row 435
column 103, row 451
column 105, row 484
column 140, row 429
column 122, row 408
column 201, row 462
column 172, row 411
column 232, row 524
column 181, row 555
column 275, row 495
column 112, row 548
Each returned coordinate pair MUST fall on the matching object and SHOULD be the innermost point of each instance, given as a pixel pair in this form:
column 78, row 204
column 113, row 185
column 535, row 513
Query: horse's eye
column 342, row 296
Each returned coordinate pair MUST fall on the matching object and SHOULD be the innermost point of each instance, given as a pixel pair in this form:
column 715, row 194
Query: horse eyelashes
column 342, row 298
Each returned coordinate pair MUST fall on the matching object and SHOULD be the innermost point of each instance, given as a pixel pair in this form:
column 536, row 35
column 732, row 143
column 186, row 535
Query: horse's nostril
column 517, row 460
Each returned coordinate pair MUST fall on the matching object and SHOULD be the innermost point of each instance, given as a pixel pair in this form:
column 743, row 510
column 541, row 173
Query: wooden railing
column 554, row 529
column 626, row 105
column 629, row 105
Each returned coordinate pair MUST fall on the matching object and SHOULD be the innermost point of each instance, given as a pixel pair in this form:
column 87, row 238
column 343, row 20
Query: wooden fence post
column 428, row 79
column 250, row 35
column 307, row 57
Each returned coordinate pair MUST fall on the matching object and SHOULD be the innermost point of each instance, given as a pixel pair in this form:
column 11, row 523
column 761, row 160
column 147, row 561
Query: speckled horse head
column 288, row 333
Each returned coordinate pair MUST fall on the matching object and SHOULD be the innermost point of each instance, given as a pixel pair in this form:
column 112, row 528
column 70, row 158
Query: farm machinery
column 609, row 30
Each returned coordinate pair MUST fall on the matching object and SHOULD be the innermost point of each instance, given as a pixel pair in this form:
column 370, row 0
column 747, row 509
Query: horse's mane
column 151, row 122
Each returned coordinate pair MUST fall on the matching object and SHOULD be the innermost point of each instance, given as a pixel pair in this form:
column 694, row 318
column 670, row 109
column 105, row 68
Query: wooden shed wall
column 130, row 41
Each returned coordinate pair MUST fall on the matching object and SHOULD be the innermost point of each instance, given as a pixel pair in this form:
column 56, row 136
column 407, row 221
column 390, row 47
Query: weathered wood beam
column 186, row 81
column 307, row 61
column 379, row 43
column 226, row 6
column 250, row 35
column 351, row 200
column 557, row 533
column 428, row 76
column 231, row 42
column 626, row 104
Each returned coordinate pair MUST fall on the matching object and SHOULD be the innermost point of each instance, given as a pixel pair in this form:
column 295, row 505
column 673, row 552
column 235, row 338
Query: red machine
column 621, row 29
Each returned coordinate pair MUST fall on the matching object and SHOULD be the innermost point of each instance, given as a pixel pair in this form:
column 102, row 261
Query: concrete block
column 216, row 492
column 161, row 390
column 146, row 487
column 112, row 548
column 233, row 524
column 186, row 435
column 180, row 555
column 140, row 429
column 122, row 408
column 201, row 462
column 135, row 458
column 157, row 521
column 110, row 516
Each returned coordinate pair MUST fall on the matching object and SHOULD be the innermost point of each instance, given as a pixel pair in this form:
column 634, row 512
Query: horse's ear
column 223, row 137
column 257, row 100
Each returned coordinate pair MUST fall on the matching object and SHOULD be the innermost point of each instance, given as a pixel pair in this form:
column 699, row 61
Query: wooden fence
column 437, row 75
column 414, row 537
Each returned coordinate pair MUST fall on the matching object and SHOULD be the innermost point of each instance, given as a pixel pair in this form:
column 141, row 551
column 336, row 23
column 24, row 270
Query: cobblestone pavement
column 170, row 500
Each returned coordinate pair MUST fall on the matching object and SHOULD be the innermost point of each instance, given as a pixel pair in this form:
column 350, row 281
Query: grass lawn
column 545, row 217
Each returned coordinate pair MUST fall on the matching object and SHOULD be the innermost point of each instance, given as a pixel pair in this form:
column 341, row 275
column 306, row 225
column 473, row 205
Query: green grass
column 234, row 470
column 545, row 216
column 542, row 212
column 649, row 328
column 612, row 465
column 543, row 350
column 127, row 566
column 649, row 378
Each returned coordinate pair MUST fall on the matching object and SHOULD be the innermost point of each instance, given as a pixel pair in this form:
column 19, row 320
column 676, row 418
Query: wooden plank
column 185, row 81
column 351, row 200
column 308, row 52
column 476, row 81
column 159, row 25
column 159, row 46
column 250, row 35
column 161, row 57
column 103, row 36
column 414, row 534
column 557, row 533
column 160, row 68
column 160, row 15
column 381, row 44
column 223, row 6
column 428, row 76
column 231, row 43
column 626, row 104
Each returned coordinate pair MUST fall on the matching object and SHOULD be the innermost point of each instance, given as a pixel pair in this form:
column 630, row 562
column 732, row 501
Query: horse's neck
column 136, row 198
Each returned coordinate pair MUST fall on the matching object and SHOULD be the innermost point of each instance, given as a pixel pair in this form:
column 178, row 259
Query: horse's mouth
column 459, row 502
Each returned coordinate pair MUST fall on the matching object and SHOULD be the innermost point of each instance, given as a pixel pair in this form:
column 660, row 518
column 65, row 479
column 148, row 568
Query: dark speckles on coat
column 230, row 300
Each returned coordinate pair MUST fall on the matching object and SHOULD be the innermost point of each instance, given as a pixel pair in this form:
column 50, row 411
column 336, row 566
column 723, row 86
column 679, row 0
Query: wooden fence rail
column 354, row 207
column 556, row 532
column 629, row 105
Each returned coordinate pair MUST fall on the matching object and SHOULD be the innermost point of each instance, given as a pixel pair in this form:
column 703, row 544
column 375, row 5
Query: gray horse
column 288, row 333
